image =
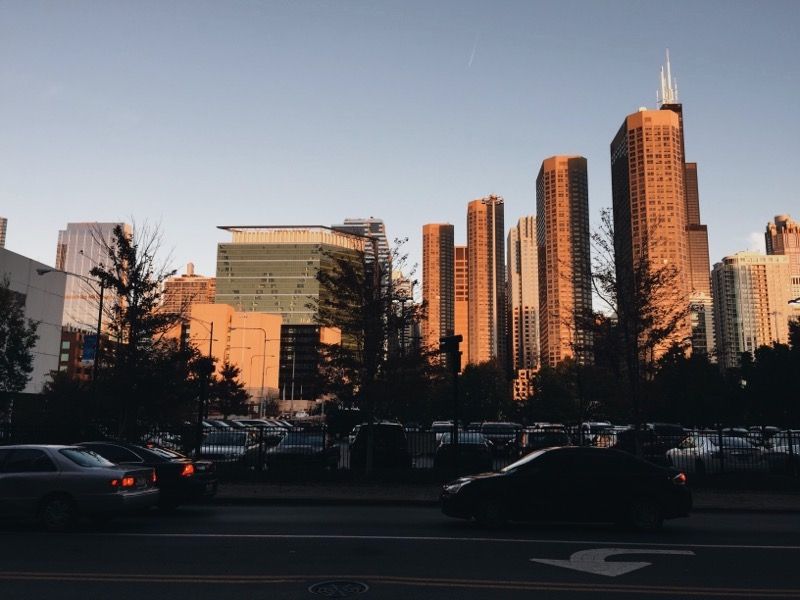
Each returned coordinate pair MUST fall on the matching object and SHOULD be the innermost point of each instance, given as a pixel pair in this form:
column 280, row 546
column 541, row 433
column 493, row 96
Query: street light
column 209, row 326
column 264, row 354
column 263, row 371
column 102, row 287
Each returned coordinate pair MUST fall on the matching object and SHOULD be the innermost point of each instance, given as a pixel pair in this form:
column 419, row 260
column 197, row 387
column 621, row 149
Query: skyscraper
column 438, row 280
column 562, row 238
column 783, row 237
column 182, row 291
column 649, row 203
column 486, row 276
column 751, row 295
column 3, row 226
column 375, row 230
column 461, row 305
column 81, row 247
column 523, row 294
column 699, row 264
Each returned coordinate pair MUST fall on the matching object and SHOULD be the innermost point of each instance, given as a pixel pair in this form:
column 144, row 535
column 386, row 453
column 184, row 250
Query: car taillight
column 128, row 482
column 679, row 479
column 188, row 470
column 154, row 477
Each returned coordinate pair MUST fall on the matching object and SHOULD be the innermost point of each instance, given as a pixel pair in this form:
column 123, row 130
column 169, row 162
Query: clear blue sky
column 197, row 114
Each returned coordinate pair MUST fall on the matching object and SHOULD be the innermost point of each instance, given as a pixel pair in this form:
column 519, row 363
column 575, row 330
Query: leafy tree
column 17, row 340
column 228, row 396
column 484, row 393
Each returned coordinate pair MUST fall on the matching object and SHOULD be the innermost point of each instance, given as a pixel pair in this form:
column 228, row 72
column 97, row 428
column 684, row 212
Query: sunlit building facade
column 181, row 291
column 523, row 294
column 438, row 281
column 461, row 300
column 783, row 238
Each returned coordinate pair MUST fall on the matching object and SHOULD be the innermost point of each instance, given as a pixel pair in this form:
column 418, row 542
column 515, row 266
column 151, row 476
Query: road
column 276, row 552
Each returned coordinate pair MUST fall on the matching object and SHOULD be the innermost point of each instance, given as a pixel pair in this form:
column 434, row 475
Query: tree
column 646, row 302
column 17, row 340
column 484, row 393
column 227, row 395
column 140, row 359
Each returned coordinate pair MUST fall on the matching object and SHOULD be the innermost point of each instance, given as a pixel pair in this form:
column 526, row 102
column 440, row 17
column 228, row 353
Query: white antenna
column 669, row 89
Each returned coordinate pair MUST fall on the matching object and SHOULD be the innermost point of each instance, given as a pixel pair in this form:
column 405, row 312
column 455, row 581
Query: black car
column 302, row 451
column 180, row 479
column 474, row 454
column 572, row 484
column 545, row 437
column 503, row 437
column 389, row 447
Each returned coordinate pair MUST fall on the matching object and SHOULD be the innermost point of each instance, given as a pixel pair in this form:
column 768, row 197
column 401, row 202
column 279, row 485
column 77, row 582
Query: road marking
column 594, row 561
column 511, row 585
column 409, row 538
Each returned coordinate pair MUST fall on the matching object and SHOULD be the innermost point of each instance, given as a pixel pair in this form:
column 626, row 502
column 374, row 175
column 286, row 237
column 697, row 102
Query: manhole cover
column 338, row 589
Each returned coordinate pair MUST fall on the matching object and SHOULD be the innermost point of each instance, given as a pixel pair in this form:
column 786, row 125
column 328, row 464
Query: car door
column 541, row 488
column 602, row 483
column 27, row 475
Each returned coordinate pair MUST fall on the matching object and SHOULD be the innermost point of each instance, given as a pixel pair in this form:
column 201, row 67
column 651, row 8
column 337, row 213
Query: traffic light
column 449, row 345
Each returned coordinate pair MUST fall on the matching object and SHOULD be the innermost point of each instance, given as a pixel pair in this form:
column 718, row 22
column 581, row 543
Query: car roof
column 37, row 446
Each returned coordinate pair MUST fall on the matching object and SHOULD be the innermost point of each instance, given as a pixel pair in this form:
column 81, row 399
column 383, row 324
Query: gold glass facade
column 437, row 282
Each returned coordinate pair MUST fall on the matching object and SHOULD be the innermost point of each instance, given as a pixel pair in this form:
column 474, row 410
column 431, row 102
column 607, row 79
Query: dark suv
column 389, row 447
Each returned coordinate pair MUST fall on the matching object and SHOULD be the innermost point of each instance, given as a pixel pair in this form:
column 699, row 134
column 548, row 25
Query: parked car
column 181, row 479
column 585, row 432
column 503, row 436
column 389, row 447
column 703, row 454
column 574, row 484
column 58, row 484
column 303, row 451
column 474, row 454
column 536, row 438
column 655, row 440
column 231, row 446
column 440, row 427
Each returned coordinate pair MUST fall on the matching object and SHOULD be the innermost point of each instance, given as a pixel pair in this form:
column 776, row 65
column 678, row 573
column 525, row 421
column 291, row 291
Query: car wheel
column 58, row 513
column 645, row 515
column 491, row 514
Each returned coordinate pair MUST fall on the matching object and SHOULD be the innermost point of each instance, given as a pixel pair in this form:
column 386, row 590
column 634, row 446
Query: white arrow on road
column 594, row 561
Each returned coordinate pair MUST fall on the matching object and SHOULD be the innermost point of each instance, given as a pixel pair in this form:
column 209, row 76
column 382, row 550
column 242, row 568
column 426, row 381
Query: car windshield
column 464, row 438
column 86, row 458
column 523, row 461
column 226, row 438
column 301, row 438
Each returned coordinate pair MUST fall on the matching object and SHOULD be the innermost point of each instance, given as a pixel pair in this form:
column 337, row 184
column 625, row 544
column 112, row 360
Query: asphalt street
column 392, row 552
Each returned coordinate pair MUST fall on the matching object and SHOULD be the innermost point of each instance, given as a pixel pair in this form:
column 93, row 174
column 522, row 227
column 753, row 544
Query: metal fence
column 743, row 456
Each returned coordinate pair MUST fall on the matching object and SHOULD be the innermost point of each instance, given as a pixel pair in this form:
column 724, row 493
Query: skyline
column 401, row 112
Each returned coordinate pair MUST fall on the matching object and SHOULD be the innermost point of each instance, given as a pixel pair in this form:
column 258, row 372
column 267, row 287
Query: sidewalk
column 428, row 495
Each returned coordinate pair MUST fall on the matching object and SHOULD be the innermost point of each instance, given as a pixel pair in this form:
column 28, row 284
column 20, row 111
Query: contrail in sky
column 474, row 48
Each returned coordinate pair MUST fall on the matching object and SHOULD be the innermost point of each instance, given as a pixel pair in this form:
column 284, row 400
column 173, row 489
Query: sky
column 189, row 115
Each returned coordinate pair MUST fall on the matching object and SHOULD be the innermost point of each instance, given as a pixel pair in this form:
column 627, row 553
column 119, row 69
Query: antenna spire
column 669, row 88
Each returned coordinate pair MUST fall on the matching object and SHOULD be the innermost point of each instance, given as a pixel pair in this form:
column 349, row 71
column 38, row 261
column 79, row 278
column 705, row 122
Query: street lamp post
column 263, row 358
column 98, row 331
column 264, row 354
column 209, row 326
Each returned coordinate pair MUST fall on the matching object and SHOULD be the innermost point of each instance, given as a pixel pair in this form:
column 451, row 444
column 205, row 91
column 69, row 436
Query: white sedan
column 58, row 484
column 702, row 454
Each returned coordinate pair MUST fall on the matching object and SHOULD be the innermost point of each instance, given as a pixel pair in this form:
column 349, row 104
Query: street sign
column 594, row 561
column 89, row 349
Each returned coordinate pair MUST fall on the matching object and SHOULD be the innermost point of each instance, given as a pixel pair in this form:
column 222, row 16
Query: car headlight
column 453, row 488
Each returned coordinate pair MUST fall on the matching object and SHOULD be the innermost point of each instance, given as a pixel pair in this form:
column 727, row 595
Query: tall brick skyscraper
column 699, row 265
column 649, row 202
column 783, row 237
column 562, row 238
column 438, row 281
column 486, row 266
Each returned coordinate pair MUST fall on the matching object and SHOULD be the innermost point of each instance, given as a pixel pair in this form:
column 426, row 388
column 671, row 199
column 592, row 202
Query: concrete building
column 181, row 291
column 461, row 300
column 783, row 238
column 523, row 294
column 751, row 295
column 3, row 227
column 43, row 299
column 409, row 336
column 649, row 203
column 562, row 238
column 81, row 247
column 438, row 281
column 486, row 276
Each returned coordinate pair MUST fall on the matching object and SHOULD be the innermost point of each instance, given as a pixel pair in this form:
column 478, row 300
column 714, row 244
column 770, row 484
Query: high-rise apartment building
column 81, row 247
column 274, row 269
column 438, row 281
column 182, row 291
column 562, row 238
column 649, row 204
column 461, row 304
column 408, row 338
column 523, row 294
column 3, row 227
column 751, row 295
column 699, row 264
column 486, row 276
column 783, row 238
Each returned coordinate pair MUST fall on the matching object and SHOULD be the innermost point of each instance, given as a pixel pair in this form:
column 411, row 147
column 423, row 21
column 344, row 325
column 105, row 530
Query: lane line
column 399, row 580
column 405, row 538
